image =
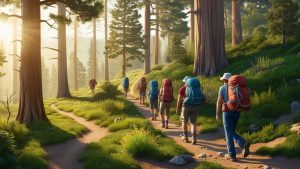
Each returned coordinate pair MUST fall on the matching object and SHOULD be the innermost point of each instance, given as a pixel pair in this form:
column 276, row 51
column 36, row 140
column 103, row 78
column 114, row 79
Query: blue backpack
column 194, row 94
column 125, row 82
column 153, row 90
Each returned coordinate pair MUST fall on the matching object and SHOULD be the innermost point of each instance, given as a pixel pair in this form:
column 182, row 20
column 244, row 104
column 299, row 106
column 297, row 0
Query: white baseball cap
column 226, row 76
column 186, row 78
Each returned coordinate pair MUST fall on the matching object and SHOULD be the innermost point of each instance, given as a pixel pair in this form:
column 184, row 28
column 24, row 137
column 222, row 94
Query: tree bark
column 124, row 52
column 95, row 48
column 75, row 54
column 106, row 37
column 31, row 106
column 15, row 59
column 147, row 37
column 63, row 86
column 192, row 18
column 156, row 47
column 237, row 32
column 210, row 54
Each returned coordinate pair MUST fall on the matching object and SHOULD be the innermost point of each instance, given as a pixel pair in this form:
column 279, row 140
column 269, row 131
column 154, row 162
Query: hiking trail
column 212, row 143
column 66, row 155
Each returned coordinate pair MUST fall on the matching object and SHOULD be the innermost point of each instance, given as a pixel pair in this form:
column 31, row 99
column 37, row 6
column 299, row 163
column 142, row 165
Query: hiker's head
column 226, row 77
column 186, row 78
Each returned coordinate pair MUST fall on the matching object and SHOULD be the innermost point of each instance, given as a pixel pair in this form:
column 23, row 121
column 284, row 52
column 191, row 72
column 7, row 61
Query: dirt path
column 210, row 144
column 66, row 155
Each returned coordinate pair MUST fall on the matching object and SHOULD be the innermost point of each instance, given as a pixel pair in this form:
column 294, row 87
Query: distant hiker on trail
column 192, row 97
column 92, row 84
column 142, row 86
column 231, row 103
column 166, row 98
column 153, row 98
column 125, row 85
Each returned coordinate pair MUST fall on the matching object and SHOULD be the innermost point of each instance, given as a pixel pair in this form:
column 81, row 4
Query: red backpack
column 143, row 84
column 166, row 92
column 239, row 94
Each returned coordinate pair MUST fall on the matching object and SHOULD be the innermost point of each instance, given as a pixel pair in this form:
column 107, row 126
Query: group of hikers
column 233, row 98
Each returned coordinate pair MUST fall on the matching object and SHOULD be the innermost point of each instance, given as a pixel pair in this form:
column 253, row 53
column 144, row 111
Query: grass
column 210, row 165
column 30, row 138
column 290, row 148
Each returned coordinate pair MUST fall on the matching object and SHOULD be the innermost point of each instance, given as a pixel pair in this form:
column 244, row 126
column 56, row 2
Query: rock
column 220, row 154
column 210, row 155
column 295, row 107
column 187, row 158
column 245, row 168
column 202, row 156
column 253, row 128
column 266, row 167
column 178, row 160
column 296, row 128
column 201, row 147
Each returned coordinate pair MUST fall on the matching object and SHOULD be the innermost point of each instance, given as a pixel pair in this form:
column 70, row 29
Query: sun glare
column 5, row 31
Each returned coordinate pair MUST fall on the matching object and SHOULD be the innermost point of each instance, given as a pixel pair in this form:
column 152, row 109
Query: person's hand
column 218, row 118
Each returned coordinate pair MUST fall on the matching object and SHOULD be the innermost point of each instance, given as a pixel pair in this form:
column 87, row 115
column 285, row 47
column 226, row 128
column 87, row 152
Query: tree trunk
column 237, row 33
column 156, row 47
column 63, row 86
column 31, row 106
column 124, row 52
column 15, row 59
column 75, row 54
column 147, row 38
column 95, row 48
column 210, row 41
column 192, row 18
column 106, row 37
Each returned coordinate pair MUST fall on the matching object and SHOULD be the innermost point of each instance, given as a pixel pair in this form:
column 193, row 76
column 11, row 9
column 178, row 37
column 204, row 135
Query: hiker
column 166, row 98
column 230, row 117
column 92, row 84
column 142, row 86
column 125, row 84
column 181, row 97
column 191, row 97
column 153, row 98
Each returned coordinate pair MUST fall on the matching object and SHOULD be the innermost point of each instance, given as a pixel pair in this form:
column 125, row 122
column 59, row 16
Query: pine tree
column 81, row 73
column 91, row 61
column 283, row 19
column 178, row 52
column 126, row 38
column 45, row 79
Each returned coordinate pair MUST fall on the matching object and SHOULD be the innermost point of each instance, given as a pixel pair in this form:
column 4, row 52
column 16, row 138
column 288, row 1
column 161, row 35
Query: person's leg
column 229, row 133
column 193, row 119
column 162, row 116
column 155, row 106
column 168, row 107
column 238, row 139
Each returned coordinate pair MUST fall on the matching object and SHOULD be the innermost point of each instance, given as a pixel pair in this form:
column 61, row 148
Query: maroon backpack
column 166, row 91
column 143, row 84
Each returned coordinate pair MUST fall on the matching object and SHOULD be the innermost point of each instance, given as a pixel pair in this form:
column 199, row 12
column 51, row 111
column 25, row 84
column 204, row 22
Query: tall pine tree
column 126, row 37
column 81, row 72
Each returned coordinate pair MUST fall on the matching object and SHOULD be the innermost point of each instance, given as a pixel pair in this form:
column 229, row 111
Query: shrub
column 140, row 143
column 8, row 152
column 109, row 90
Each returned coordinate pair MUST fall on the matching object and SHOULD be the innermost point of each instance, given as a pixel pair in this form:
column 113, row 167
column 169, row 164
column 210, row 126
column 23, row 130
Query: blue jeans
column 230, row 120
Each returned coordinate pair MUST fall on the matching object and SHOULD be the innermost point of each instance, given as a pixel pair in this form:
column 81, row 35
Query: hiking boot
column 153, row 118
column 163, row 124
column 246, row 150
column 194, row 138
column 227, row 157
column 167, row 124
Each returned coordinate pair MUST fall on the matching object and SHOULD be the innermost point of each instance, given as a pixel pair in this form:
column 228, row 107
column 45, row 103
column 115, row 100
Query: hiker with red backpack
column 193, row 98
column 234, row 98
column 166, row 98
column 153, row 98
column 142, row 86
column 92, row 85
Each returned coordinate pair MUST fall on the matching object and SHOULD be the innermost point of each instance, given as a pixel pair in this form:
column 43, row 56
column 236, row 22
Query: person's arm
column 219, row 107
column 179, row 103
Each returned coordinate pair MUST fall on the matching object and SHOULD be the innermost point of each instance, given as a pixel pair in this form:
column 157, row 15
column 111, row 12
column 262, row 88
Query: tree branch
column 50, row 25
column 51, row 49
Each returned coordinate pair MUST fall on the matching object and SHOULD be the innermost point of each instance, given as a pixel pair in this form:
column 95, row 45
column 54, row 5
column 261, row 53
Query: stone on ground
column 296, row 128
column 295, row 107
column 202, row 156
column 187, row 158
column 220, row 154
column 178, row 160
column 267, row 167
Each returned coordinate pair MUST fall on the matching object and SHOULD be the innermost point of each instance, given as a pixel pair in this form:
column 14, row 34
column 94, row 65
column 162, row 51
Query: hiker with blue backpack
column 234, row 98
column 125, row 84
column 193, row 98
column 153, row 98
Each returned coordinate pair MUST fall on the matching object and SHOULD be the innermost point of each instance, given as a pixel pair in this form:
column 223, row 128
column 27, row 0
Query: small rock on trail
column 202, row 156
column 296, row 128
column 220, row 154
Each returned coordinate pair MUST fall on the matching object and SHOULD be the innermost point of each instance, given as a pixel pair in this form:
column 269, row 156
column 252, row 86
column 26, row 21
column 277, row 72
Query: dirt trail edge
column 211, row 144
column 66, row 155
